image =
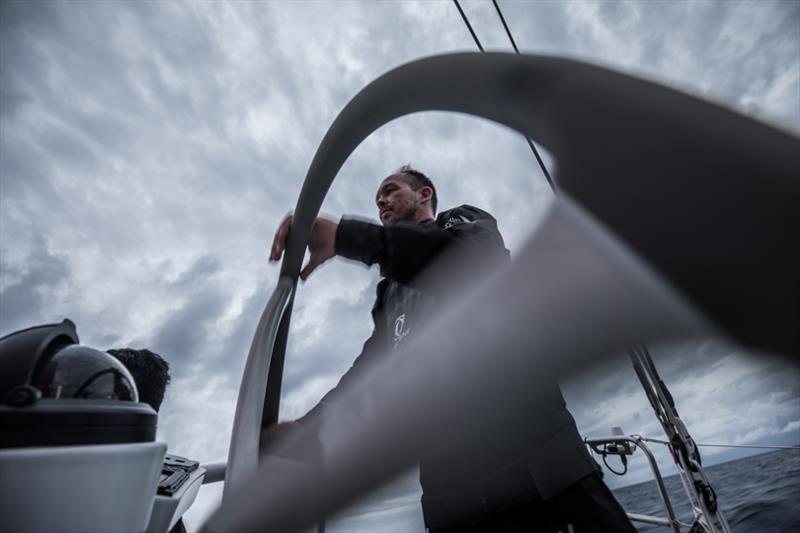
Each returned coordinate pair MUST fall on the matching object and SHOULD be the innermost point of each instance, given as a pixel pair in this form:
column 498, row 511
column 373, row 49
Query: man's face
column 397, row 201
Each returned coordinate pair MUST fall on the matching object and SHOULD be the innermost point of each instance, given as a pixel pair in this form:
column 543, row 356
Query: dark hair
column 149, row 370
column 419, row 180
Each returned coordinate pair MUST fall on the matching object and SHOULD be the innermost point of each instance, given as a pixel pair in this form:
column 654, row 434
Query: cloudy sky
column 149, row 150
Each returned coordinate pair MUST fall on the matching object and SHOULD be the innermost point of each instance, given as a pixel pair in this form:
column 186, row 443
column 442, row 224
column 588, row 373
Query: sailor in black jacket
column 527, row 470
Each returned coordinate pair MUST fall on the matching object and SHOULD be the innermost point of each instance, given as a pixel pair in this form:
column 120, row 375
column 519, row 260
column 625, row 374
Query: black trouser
column 587, row 505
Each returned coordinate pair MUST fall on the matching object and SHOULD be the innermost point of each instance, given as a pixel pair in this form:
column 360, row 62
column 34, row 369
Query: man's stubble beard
column 409, row 214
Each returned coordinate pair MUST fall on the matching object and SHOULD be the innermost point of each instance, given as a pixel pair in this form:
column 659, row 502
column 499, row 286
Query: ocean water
column 759, row 493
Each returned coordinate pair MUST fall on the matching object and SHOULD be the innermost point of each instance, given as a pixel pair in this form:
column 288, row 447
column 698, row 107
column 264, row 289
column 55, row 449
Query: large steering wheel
column 679, row 216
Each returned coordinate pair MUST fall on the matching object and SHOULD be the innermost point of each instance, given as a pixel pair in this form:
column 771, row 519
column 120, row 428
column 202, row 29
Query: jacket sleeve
column 360, row 365
column 372, row 347
column 404, row 250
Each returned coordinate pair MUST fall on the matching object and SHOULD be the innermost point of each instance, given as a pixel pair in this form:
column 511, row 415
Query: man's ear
column 425, row 193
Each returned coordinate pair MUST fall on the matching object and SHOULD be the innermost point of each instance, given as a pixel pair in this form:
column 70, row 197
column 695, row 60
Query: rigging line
column 660, row 441
column 469, row 26
column 514, row 44
column 503, row 20
column 530, row 143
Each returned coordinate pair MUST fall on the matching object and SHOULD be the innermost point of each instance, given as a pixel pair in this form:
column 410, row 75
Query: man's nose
column 381, row 201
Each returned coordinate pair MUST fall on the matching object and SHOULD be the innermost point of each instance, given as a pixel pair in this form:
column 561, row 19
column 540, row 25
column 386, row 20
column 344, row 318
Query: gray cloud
column 190, row 327
column 31, row 288
column 148, row 151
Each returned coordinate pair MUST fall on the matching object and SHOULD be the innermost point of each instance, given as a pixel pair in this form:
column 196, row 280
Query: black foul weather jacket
column 539, row 452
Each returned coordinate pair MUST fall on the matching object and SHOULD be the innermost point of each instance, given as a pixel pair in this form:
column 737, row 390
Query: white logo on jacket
column 455, row 221
column 399, row 332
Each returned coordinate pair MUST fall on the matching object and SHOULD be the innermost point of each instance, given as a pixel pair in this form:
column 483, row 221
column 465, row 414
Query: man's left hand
column 321, row 243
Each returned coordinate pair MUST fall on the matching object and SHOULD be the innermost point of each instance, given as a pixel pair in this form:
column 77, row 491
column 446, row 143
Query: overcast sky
column 149, row 150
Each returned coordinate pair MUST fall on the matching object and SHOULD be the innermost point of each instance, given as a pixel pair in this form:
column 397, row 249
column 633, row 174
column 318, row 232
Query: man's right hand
column 321, row 243
column 273, row 441
column 274, row 432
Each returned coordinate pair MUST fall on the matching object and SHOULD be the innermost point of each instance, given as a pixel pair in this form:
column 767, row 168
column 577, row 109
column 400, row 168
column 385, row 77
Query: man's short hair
column 149, row 370
column 418, row 180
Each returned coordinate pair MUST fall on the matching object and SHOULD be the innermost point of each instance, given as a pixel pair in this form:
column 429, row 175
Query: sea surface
column 759, row 493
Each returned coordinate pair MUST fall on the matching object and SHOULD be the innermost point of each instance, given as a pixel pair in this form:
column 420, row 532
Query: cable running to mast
column 530, row 143
column 469, row 26
column 514, row 44
column 503, row 20
column 753, row 446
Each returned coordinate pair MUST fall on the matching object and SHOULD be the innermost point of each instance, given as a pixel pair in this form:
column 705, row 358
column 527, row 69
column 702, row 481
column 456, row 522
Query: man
column 149, row 370
column 526, row 470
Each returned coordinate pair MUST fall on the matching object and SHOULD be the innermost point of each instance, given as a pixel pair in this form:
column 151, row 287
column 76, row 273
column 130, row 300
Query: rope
column 469, row 26
column 503, row 20
column 753, row 446
column 622, row 473
column 514, row 44
column 605, row 453
column 530, row 143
